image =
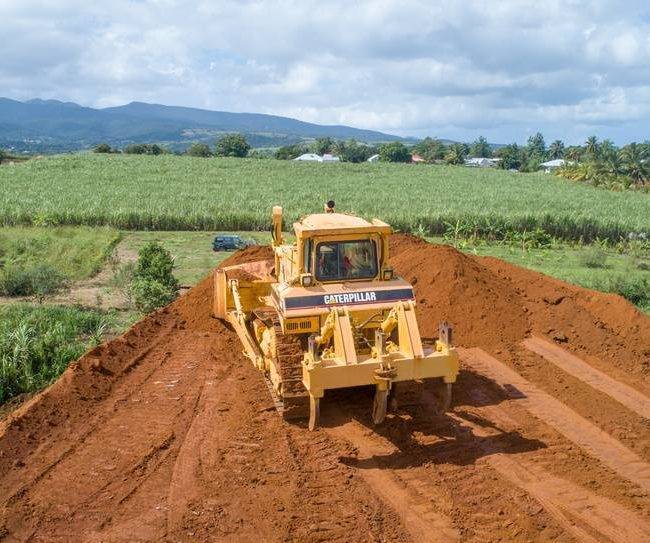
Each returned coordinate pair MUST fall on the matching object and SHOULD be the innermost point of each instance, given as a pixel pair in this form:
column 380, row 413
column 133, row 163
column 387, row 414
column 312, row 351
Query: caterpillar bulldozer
column 328, row 312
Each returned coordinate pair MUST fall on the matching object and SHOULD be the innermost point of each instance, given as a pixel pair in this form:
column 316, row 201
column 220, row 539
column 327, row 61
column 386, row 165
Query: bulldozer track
column 320, row 492
column 586, row 435
column 416, row 498
column 289, row 352
column 622, row 393
column 580, row 512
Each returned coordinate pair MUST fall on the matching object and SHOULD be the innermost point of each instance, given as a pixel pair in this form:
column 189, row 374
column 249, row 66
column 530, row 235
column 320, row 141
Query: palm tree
column 556, row 149
column 573, row 154
column 607, row 150
column 614, row 165
column 591, row 146
column 634, row 163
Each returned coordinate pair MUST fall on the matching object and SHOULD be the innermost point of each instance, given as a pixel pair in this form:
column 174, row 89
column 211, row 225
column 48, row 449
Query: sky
column 453, row 69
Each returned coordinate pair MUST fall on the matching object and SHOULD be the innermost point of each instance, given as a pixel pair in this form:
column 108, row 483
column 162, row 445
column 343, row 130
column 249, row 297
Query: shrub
column 394, row 152
column 40, row 281
column 103, row 148
column 38, row 343
column 352, row 151
column 456, row 154
column 511, row 157
column 154, row 284
column 144, row 149
column 323, row 145
column 234, row 145
column 199, row 150
column 430, row 149
column 289, row 152
column 150, row 295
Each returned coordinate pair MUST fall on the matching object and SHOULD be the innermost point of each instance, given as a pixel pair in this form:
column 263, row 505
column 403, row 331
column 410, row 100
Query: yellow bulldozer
column 328, row 312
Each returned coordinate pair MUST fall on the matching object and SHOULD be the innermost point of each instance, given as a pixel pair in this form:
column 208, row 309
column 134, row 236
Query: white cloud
column 456, row 69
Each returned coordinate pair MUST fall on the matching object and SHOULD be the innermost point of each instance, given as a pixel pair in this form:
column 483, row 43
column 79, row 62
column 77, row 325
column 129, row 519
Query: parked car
column 230, row 242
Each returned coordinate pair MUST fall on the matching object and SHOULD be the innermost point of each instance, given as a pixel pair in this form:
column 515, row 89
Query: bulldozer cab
column 344, row 260
column 332, row 248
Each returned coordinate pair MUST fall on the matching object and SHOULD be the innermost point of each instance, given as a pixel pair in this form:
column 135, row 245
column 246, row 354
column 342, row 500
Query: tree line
column 597, row 162
column 229, row 145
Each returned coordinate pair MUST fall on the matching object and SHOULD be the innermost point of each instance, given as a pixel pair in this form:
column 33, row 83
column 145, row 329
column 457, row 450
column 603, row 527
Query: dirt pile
column 451, row 286
column 495, row 305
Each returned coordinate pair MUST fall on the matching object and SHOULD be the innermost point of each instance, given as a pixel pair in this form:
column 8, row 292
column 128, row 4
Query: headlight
column 387, row 274
column 306, row 279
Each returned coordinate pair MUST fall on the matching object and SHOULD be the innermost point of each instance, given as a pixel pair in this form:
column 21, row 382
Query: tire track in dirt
column 593, row 440
column 622, row 393
column 431, row 471
column 580, row 512
column 417, row 501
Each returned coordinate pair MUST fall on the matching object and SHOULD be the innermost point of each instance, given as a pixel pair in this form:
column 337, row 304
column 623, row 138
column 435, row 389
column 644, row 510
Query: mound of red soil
column 495, row 305
column 450, row 286
column 249, row 254
column 195, row 307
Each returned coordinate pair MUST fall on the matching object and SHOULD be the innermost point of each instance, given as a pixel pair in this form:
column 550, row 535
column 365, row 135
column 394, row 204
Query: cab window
column 342, row 260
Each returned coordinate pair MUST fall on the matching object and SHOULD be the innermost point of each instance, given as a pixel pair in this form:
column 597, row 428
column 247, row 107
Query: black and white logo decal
column 350, row 298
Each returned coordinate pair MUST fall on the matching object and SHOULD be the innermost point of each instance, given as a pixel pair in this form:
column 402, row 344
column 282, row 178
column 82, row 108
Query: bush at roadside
column 154, row 284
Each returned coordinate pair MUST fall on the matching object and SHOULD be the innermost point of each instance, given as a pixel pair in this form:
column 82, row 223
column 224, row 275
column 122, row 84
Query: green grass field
column 185, row 193
column 76, row 252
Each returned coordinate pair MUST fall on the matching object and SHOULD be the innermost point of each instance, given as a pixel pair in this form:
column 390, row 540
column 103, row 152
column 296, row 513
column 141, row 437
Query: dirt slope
column 167, row 433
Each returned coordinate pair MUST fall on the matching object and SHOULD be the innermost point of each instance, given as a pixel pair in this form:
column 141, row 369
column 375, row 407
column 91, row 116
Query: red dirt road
column 168, row 434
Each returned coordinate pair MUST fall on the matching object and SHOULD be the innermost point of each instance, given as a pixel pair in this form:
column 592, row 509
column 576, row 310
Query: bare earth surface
column 167, row 433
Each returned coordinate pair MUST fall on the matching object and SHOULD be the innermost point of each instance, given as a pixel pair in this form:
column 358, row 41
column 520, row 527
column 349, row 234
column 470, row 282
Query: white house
column 374, row 158
column 310, row 157
column 552, row 164
column 481, row 162
column 330, row 158
column 313, row 157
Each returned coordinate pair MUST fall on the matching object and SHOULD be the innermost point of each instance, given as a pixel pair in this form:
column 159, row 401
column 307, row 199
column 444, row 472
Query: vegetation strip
column 589, row 437
column 38, row 342
column 622, row 393
column 187, row 193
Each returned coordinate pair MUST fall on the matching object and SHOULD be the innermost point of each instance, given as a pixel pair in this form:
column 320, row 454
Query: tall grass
column 76, row 253
column 185, row 193
column 38, row 342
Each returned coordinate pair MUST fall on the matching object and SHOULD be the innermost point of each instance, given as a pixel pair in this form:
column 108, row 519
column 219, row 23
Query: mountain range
column 47, row 126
